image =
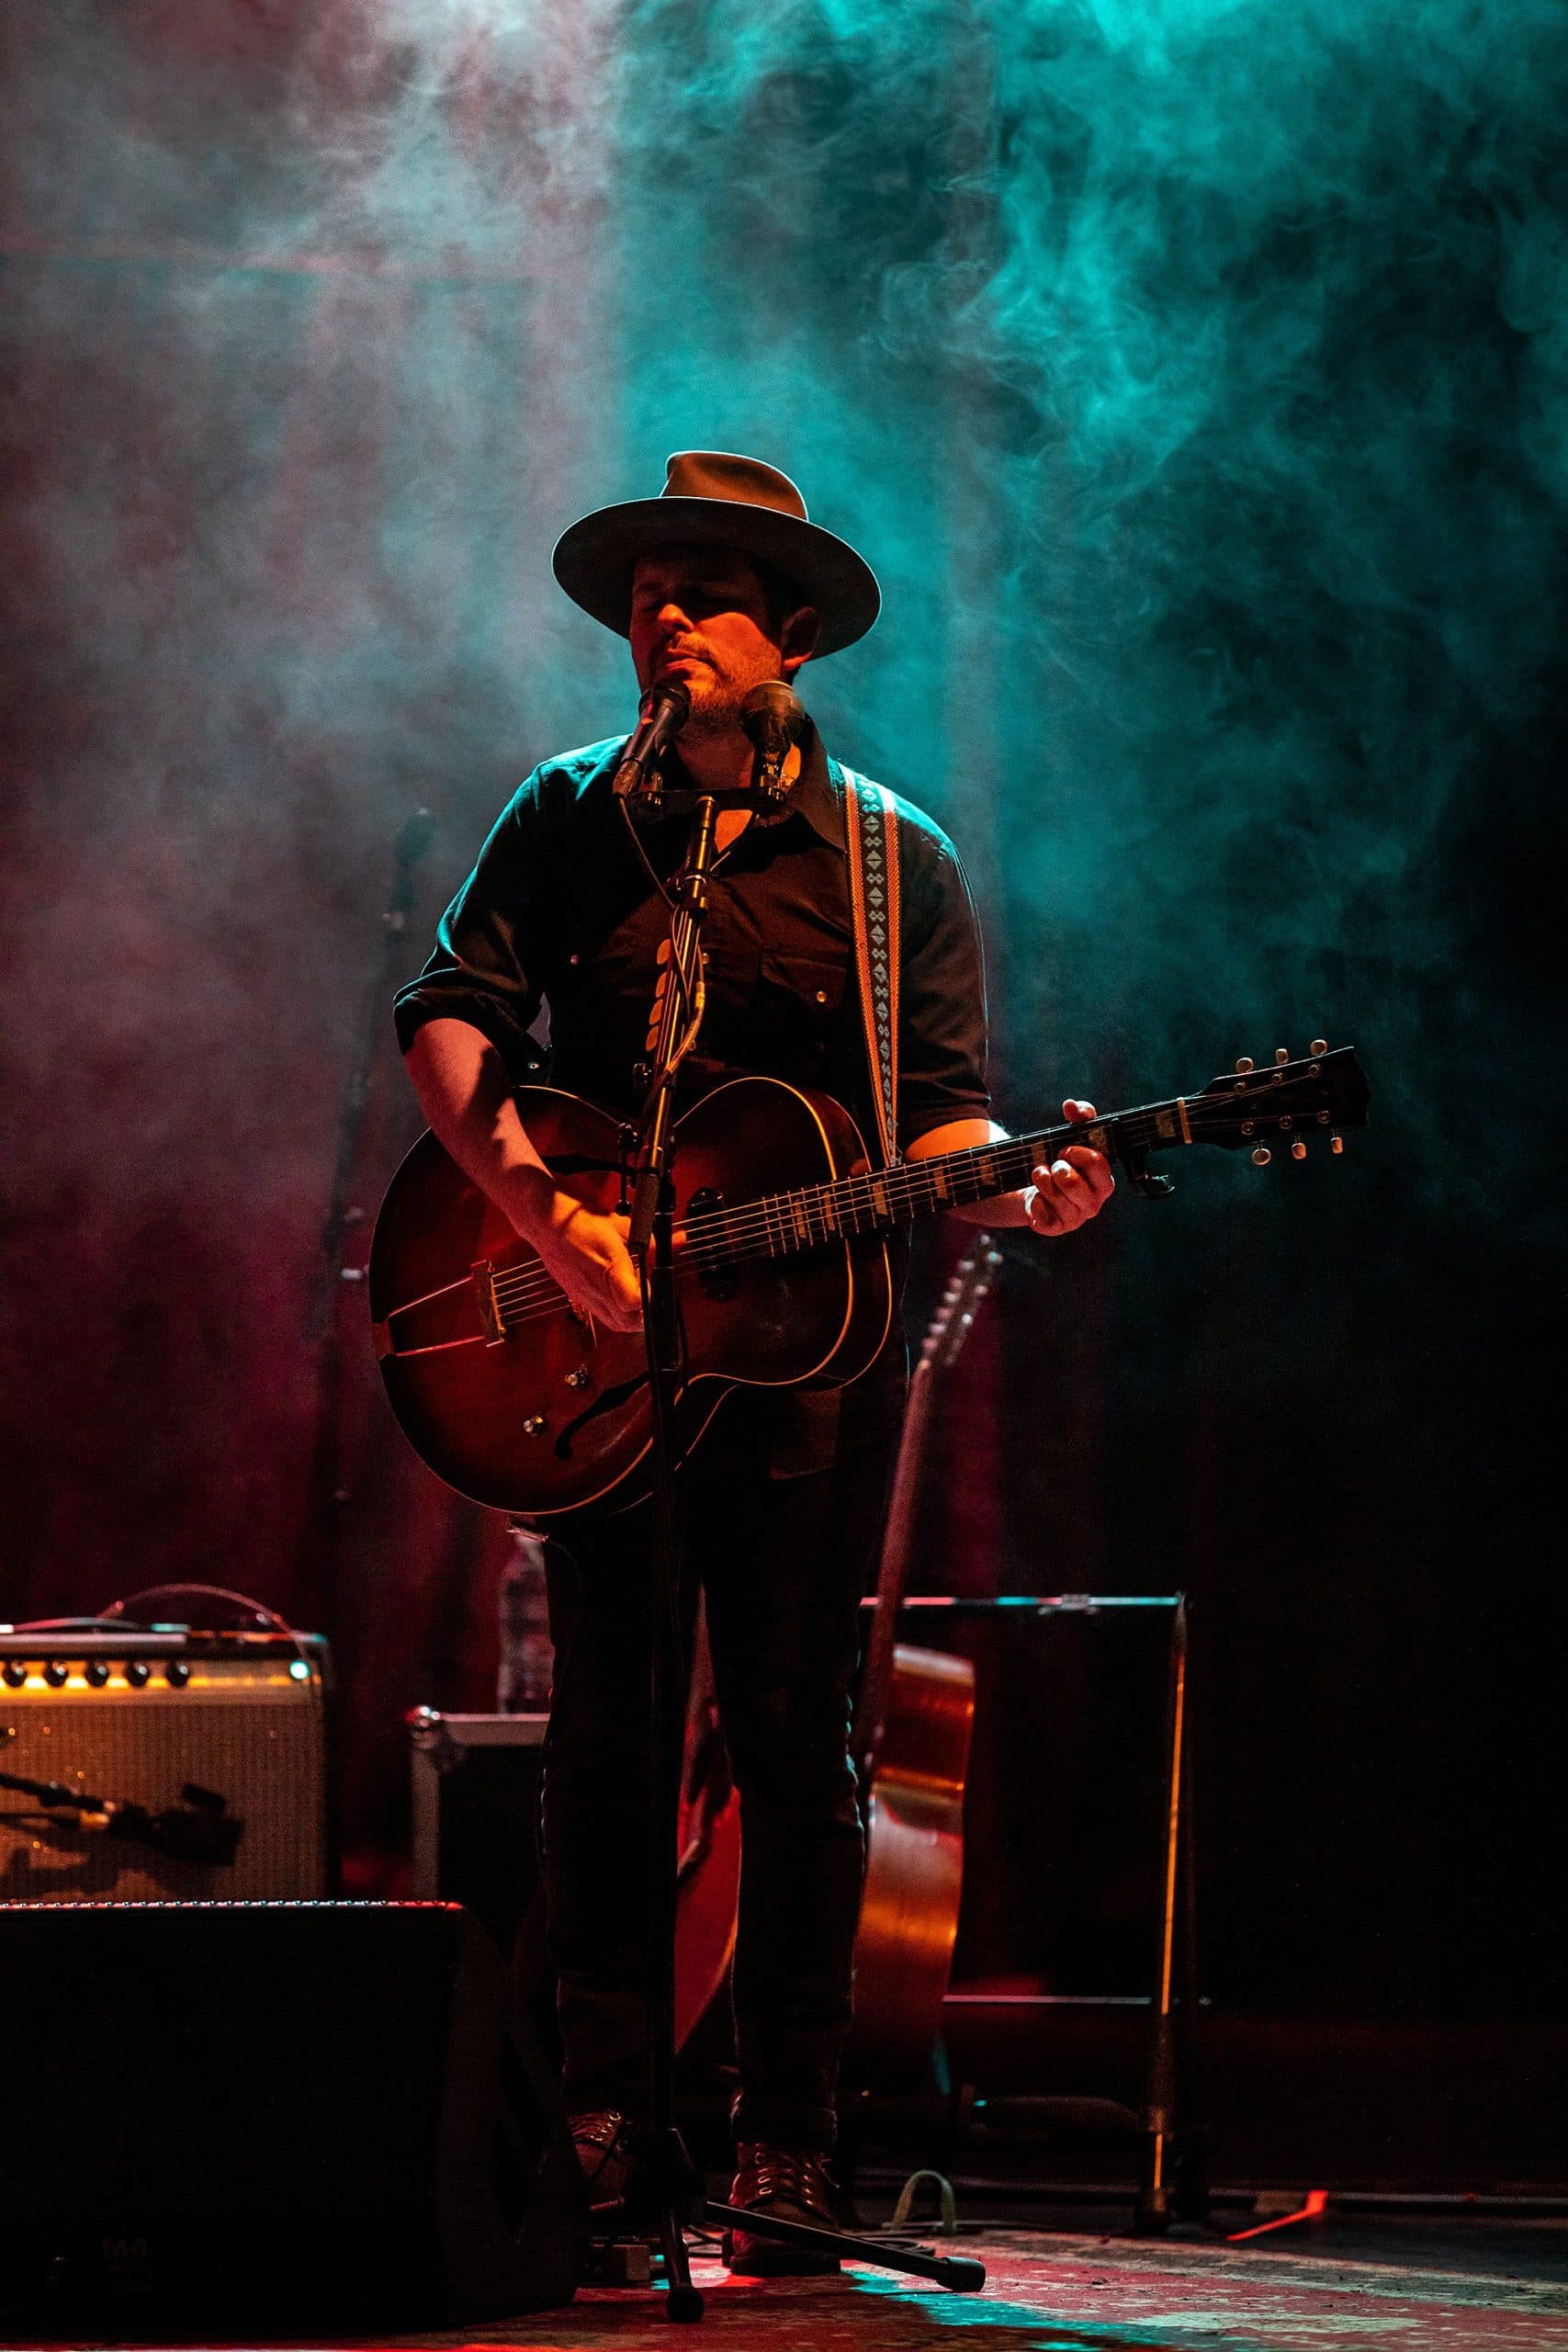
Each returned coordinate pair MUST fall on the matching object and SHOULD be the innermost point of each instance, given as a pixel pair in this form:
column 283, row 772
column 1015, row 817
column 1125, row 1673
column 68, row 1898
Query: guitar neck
column 782, row 1222
column 1248, row 1109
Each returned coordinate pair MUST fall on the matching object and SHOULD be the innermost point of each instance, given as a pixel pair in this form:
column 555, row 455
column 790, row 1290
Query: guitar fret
column 868, row 1203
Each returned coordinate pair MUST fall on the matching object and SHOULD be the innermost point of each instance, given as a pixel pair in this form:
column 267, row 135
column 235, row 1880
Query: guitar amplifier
column 189, row 1738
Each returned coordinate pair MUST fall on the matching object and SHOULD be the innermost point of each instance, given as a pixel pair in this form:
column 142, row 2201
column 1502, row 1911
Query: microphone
column 666, row 706
column 414, row 837
column 771, row 717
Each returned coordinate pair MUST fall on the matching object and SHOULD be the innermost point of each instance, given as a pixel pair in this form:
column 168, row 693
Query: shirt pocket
column 797, row 1012
column 815, row 982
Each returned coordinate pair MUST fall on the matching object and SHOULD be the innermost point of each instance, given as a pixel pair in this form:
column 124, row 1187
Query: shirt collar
column 818, row 793
column 818, row 796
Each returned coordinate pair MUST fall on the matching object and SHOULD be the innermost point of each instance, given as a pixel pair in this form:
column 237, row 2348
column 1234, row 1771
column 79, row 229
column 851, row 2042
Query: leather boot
column 602, row 2139
column 793, row 2184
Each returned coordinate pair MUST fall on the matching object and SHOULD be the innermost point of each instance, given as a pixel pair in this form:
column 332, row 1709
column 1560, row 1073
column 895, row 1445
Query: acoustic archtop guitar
column 519, row 1402
column 913, row 1722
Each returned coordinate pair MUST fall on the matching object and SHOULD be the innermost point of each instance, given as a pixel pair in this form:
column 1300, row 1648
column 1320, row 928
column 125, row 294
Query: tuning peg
column 1298, row 1149
column 1319, row 1046
column 1262, row 1156
column 1245, row 1064
column 1337, row 1144
column 1281, row 1055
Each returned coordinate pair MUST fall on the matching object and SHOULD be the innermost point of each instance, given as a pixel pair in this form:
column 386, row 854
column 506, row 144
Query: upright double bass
column 911, row 1745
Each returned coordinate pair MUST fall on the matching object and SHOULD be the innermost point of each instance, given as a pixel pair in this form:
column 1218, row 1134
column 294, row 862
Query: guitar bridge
column 482, row 1276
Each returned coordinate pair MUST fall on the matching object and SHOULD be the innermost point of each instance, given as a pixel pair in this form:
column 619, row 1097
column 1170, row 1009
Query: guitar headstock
column 955, row 1317
column 1286, row 1102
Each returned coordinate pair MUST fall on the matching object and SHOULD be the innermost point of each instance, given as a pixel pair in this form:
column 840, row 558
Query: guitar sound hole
column 713, row 1271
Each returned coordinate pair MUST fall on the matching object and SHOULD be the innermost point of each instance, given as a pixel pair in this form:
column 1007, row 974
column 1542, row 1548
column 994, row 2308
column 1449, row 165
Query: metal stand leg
column 1190, row 2194
column 1157, row 2202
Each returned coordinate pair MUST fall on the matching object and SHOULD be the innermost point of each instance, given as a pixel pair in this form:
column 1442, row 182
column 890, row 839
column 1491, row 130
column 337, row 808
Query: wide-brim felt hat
column 712, row 499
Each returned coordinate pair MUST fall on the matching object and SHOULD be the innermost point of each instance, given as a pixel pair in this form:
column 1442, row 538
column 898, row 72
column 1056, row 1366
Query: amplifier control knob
column 136, row 1673
column 98, row 1673
column 180, row 1673
column 15, row 1672
column 55, row 1672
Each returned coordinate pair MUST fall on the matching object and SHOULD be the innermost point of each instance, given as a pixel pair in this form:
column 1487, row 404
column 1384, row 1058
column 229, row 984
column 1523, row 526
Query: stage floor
column 1392, row 2288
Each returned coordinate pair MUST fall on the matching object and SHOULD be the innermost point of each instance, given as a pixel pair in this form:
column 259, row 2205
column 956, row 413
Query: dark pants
column 783, row 1556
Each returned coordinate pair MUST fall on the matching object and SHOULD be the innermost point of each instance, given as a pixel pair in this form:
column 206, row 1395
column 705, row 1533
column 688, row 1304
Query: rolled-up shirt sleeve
column 941, row 1025
column 478, row 971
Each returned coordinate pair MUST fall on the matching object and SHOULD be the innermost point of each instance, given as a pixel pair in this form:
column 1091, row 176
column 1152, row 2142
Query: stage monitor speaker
column 138, row 1717
column 290, row 2117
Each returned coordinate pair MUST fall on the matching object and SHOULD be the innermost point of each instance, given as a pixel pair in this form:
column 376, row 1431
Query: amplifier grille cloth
column 260, row 1749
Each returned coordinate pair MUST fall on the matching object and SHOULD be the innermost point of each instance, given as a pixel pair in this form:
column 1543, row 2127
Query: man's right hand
column 587, row 1254
column 468, row 1097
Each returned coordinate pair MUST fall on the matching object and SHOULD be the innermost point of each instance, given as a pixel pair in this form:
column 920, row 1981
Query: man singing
column 723, row 582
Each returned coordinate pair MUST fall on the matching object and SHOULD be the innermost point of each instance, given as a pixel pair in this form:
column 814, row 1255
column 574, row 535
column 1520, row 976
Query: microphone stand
column 327, row 1487
column 671, row 2193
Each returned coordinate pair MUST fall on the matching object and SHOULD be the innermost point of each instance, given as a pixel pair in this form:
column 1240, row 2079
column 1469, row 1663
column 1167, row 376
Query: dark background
column 1197, row 379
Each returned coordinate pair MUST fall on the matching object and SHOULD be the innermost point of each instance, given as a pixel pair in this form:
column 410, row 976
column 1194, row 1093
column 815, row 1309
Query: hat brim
column 593, row 560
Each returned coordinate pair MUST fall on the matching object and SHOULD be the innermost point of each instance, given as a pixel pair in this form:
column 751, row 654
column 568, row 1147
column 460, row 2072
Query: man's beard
column 716, row 703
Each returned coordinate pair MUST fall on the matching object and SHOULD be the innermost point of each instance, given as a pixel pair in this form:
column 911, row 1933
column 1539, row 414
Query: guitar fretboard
column 778, row 1223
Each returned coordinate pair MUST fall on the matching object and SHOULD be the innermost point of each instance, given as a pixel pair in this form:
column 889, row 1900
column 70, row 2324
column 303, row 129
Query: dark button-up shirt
column 560, row 911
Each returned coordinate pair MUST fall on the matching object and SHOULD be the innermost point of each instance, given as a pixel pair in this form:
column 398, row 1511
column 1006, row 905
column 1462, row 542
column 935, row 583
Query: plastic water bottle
column 528, row 1653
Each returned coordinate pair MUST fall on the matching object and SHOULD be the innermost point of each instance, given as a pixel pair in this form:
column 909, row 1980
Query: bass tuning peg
column 1281, row 1055
column 1298, row 1149
column 1337, row 1144
column 1245, row 1064
column 1319, row 1046
column 1262, row 1156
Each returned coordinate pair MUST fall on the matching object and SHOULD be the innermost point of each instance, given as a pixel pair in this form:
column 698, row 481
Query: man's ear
column 798, row 641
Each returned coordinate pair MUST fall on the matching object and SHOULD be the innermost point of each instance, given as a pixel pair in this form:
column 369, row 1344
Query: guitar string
column 721, row 1237
column 537, row 1304
column 724, row 1233
column 524, row 1293
column 792, row 1219
column 779, row 1216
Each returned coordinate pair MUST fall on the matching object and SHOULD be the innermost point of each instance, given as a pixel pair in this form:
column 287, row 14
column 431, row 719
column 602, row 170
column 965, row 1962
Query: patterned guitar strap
column 871, row 836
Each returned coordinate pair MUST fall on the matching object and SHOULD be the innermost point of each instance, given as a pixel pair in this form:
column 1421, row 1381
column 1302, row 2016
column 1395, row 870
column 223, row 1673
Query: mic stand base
column 961, row 2274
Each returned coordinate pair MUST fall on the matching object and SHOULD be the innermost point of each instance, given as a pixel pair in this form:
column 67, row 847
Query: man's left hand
column 1075, row 1187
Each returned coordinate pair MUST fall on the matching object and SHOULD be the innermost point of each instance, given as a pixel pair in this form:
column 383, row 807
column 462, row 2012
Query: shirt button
column 821, row 996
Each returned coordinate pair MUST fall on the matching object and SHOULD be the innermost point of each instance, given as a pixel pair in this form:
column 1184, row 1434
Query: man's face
column 701, row 614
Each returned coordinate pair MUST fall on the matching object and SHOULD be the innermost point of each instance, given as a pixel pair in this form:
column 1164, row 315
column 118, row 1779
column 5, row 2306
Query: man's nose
column 673, row 618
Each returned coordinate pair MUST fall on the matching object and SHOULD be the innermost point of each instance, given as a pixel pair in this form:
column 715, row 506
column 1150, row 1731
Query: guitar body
column 516, row 1402
column 513, row 1400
